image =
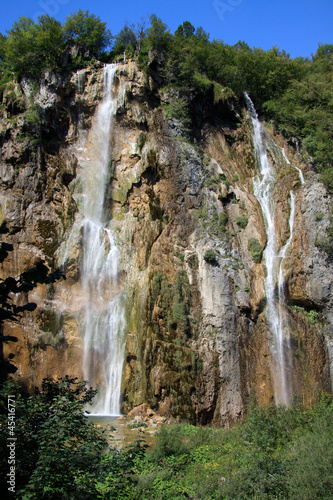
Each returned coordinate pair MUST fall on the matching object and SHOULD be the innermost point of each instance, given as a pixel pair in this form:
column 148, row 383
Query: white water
column 263, row 186
column 103, row 322
column 300, row 173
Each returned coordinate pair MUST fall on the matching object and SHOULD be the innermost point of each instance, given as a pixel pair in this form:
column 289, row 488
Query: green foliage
column 311, row 315
column 214, row 223
column 31, row 48
column 305, row 110
column 2, row 46
column 161, row 290
column 311, row 467
column 177, row 107
column 125, row 40
column 58, row 450
column 118, row 472
column 184, row 30
column 159, row 37
column 269, row 456
column 255, row 249
column 242, row 221
column 277, row 452
column 87, row 31
column 210, row 257
column 34, row 124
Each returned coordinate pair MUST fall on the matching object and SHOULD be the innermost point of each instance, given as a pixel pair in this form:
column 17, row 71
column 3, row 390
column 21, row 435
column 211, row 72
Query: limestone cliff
column 190, row 234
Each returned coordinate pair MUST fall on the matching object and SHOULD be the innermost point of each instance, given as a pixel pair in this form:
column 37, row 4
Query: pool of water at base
column 119, row 434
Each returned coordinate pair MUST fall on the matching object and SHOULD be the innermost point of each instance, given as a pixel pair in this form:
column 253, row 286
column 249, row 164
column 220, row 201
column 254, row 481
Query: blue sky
column 294, row 25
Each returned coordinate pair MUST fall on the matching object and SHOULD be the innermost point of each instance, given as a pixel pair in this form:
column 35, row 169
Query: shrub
column 255, row 249
column 210, row 257
column 242, row 221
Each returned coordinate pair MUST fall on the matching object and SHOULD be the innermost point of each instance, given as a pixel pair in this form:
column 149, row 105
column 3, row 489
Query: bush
column 255, row 249
column 210, row 257
column 223, row 218
column 242, row 221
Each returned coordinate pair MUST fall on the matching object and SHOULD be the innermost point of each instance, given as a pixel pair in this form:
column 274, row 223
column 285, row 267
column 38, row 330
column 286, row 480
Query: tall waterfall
column 103, row 322
column 263, row 186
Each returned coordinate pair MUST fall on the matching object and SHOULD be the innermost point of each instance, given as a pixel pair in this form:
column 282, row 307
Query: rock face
column 183, row 214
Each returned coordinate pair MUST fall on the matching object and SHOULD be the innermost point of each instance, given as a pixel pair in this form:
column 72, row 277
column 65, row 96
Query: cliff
column 190, row 233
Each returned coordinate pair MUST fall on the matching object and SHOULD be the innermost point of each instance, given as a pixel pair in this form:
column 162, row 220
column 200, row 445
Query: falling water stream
column 103, row 321
column 300, row 173
column 263, row 186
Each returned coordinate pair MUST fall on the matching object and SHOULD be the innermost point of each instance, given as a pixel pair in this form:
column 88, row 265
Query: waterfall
column 300, row 173
column 263, row 186
column 79, row 78
column 103, row 321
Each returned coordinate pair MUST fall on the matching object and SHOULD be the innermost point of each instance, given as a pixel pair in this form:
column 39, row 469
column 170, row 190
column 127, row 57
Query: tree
column 49, row 42
column 159, row 37
column 20, row 53
column 184, row 30
column 88, row 32
column 31, row 48
column 125, row 40
column 58, row 450
column 2, row 46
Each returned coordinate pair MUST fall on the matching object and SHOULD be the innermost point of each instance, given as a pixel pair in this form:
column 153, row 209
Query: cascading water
column 263, row 186
column 104, row 321
column 300, row 173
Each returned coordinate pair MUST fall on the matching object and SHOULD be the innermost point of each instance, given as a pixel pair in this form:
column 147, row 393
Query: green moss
column 174, row 303
column 141, row 141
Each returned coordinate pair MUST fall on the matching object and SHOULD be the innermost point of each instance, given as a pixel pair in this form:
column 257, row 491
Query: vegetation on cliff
column 294, row 94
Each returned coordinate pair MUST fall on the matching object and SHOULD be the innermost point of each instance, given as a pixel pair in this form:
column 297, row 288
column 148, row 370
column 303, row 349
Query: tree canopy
column 88, row 31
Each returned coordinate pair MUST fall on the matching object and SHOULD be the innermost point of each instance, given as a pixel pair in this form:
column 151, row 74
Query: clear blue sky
column 294, row 25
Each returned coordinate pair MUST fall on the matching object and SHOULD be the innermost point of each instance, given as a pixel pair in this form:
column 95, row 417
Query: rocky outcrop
column 190, row 234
